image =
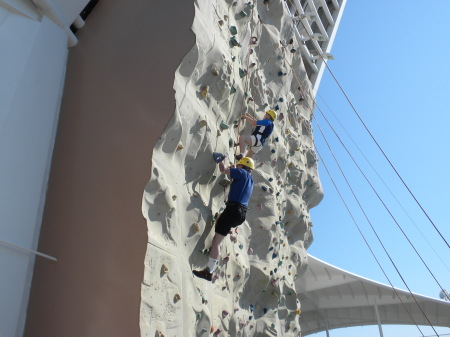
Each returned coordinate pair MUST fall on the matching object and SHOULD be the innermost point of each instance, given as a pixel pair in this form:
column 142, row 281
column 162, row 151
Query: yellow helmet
column 247, row 161
column 272, row 114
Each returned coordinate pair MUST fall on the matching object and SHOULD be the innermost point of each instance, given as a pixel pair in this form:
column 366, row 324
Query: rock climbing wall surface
column 245, row 59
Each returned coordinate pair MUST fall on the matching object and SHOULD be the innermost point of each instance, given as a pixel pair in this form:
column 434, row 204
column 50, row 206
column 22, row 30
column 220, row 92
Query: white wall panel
column 33, row 56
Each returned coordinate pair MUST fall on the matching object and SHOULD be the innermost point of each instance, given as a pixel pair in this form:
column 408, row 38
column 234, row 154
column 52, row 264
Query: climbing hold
column 176, row 298
column 265, row 310
column 243, row 13
column 242, row 73
column 204, row 91
column 221, row 22
column 196, row 227
column 293, row 50
column 241, row 246
column 273, row 325
column 233, row 30
column 225, row 182
column 298, row 311
column 273, row 150
column 202, row 123
column 271, row 248
column 274, row 255
column 212, row 329
column 270, row 179
column 280, row 263
column 234, row 42
column 158, row 334
column 174, row 197
column 280, row 73
column 212, row 179
column 236, row 309
column 224, row 313
column 180, row 147
column 215, row 72
column 253, row 40
column 241, row 324
column 223, row 125
column 164, row 269
column 276, row 108
column 237, row 277
column 264, row 188
column 281, row 99
column 233, row 238
column 198, row 316
column 226, row 259
column 252, row 308
column 232, row 90
column 249, row 5
column 250, row 251
column 218, row 157
column 252, row 64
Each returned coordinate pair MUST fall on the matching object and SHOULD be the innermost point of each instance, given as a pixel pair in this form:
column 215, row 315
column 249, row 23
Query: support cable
column 384, row 183
column 374, row 140
column 379, row 198
column 365, row 240
column 373, row 229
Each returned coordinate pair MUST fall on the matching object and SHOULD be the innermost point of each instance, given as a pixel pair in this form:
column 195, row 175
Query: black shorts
column 232, row 216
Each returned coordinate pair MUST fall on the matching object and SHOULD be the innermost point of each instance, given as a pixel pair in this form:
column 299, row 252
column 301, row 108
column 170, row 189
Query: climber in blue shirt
column 263, row 129
column 235, row 211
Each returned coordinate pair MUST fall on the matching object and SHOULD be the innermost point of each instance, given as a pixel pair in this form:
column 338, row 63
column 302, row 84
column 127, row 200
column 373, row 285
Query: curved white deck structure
column 334, row 298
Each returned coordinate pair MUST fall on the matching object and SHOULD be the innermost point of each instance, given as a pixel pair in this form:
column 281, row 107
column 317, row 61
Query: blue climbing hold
column 280, row 73
column 281, row 99
column 252, row 308
column 265, row 310
column 277, row 139
column 218, row 157
column 264, row 188
column 273, row 150
column 276, row 108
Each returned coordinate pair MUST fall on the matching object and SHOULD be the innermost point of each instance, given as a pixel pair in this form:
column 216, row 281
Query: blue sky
column 391, row 60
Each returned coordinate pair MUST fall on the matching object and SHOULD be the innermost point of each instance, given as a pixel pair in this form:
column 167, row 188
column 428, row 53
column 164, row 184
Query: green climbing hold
column 230, row 142
column 233, row 30
column 232, row 90
column 223, row 125
column 234, row 42
column 243, row 14
column 242, row 73
column 212, row 179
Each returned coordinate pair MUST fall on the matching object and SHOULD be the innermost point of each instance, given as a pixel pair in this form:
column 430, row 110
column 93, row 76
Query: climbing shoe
column 238, row 156
column 204, row 274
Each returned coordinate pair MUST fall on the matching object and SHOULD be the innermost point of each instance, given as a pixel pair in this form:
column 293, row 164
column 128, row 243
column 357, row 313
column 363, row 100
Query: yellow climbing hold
column 202, row 123
column 298, row 311
column 196, row 227
column 180, row 147
column 204, row 91
column 176, row 298
column 174, row 197
column 164, row 269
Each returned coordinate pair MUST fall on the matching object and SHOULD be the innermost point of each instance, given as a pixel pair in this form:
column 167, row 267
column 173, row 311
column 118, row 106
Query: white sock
column 211, row 264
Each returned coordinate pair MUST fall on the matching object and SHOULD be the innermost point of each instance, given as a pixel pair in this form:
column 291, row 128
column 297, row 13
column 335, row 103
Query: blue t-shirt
column 264, row 127
column 242, row 186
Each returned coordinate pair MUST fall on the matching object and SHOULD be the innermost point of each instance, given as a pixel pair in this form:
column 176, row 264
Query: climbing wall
column 245, row 59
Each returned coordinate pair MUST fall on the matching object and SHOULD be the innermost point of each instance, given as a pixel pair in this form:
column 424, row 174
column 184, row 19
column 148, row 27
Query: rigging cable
column 365, row 240
column 373, row 138
column 384, row 183
column 373, row 229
